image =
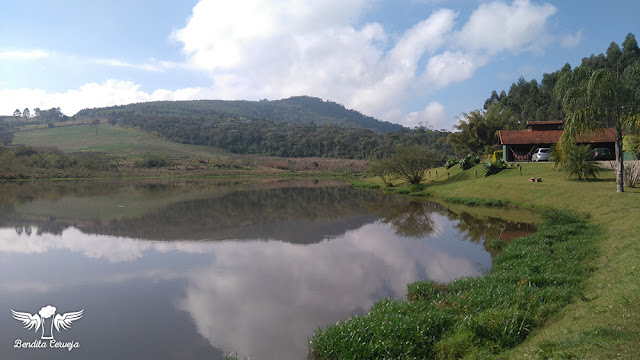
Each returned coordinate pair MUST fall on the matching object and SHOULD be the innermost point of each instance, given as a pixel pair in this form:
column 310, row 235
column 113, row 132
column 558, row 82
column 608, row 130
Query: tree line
column 535, row 101
column 266, row 137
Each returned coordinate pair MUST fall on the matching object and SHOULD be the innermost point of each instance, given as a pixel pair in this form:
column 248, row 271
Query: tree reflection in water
column 408, row 218
column 415, row 218
column 302, row 212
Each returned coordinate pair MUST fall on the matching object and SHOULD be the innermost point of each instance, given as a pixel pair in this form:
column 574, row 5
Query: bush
column 494, row 167
column 577, row 162
column 468, row 161
column 450, row 162
column 631, row 144
column 383, row 169
column 411, row 162
column 152, row 161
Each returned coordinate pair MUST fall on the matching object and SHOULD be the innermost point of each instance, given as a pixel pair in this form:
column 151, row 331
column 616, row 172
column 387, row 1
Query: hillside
column 298, row 110
column 110, row 140
column 294, row 127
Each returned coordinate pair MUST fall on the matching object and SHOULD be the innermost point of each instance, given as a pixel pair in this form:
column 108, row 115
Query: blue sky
column 404, row 61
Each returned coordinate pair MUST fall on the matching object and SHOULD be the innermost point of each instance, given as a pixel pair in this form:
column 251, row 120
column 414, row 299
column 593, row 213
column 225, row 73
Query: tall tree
column 480, row 128
column 613, row 56
column 26, row 113
column 17, row 113
column 594, row 100
column 630, row 52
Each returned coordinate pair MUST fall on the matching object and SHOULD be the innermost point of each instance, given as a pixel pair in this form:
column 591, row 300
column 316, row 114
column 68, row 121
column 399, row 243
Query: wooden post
column 476, row 172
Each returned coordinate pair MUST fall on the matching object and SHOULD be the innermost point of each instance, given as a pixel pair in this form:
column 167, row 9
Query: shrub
column 494, row 167
column 383, row 169
column 411, row 162
column 576, row 161
column 152, row 161
column 631, row 144
column 468, row 161
column 450, row 162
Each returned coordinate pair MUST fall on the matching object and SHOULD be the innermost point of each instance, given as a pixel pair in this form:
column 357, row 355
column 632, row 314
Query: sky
column 411, row 62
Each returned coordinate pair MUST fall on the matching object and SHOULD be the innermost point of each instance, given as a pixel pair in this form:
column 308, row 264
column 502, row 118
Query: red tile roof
column 515, row 137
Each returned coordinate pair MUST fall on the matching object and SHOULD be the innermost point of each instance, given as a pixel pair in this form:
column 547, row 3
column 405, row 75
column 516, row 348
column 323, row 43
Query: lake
column 199, row 269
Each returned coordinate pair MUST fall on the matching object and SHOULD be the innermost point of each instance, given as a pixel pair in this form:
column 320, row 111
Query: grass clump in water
column 532, row 278
column 497, row 244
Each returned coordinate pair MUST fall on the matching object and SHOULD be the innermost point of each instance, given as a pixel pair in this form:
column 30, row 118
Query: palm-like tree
column 595, row 100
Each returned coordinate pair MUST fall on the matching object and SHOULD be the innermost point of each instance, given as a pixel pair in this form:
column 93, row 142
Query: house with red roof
column 518, row 145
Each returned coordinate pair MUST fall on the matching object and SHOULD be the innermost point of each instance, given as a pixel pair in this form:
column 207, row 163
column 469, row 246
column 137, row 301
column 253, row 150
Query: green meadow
column 111, row 140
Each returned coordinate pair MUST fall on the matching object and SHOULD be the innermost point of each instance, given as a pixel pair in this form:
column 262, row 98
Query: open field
column 111, row 140
column 604, row 322
column 130, row 153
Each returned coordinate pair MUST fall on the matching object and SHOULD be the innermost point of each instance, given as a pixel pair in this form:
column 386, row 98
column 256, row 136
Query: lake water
column 195, row 269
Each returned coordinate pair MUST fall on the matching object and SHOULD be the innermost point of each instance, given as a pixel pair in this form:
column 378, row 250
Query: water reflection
column 408, row 218
column 285, row 260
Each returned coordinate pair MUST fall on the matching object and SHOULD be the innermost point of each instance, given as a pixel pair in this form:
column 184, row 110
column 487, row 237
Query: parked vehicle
column 602, row 154
column 541, row 154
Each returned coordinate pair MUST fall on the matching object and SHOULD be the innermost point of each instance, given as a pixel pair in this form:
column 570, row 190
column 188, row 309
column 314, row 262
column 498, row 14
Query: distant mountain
column 298, row 110
column 296, row 127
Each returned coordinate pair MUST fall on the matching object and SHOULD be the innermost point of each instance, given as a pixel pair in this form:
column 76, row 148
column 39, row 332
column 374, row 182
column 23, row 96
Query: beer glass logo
column 45, row 320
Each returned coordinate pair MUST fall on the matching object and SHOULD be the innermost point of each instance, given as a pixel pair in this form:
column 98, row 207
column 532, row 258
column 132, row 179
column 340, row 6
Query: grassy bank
column 532, row 279
column 585, row 304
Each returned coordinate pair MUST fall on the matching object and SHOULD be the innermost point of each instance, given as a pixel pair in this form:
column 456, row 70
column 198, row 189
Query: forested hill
column 298, row 110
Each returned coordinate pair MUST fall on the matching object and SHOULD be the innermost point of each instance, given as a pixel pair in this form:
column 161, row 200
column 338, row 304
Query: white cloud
column 433, row 115
column 571, row 40
column 259, row 49
column 25, row 55
column 450, row 67
column 220, row 34
column 153, row 65
column 274, row 49
column 497, row 26
column 90, row 95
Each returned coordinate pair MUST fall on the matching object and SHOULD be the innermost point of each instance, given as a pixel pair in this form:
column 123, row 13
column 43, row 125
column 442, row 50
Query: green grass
column 598, row 318
column 124, row 142
column 533, row 278
column 366, row 186
column 476, row 201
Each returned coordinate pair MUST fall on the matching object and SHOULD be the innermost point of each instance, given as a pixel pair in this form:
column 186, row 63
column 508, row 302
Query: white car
column 541, row 154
